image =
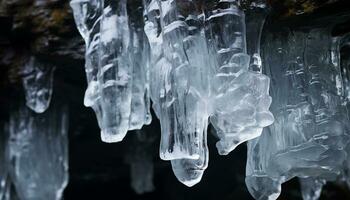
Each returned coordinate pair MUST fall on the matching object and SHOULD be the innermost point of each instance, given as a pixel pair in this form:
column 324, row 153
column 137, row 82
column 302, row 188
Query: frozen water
column 87, row 15
column 310, row 132
column 311, row 188
column 38, row 153
column 200, row 71
column 139, row 47
column 37, row 78
column 116, row 65
column 193, row 64
column 115, row 71
column 240, row 96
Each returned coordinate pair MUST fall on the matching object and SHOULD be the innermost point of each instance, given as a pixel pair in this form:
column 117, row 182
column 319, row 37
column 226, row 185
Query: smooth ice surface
column 116, row 65
column 311, row 188
column 140, row 158
column 38, row 153
column 310, row 132
column 37, row 78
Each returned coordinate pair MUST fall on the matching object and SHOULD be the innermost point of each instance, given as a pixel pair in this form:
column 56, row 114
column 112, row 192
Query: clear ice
column 37, row 78
column 198, row 72
column 310, row 131
column 193, row 65
column 38, row 153
column 116, row 65
column 311, row 188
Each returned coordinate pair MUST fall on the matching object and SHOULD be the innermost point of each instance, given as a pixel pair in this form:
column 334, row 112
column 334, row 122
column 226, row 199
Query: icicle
column 116, row 66
column 38, row 153
column 87, row 15
column 311, row 188
column 140, row 102
column 241, row 99
column 311, row 129
column 190, row 171
column 139, row 157
column 37, row 78
column 115, row 71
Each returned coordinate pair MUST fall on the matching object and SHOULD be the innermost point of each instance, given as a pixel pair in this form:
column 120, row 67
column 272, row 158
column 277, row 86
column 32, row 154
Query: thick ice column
column 197, row 97
column 140, row 53
column 241, row 98
column 311, row 188
column 188, row 101
column 87, row 15
column 190, row 171
column 115, row 71
column 310, row 131
column 139, row 156
column 37, row 78
column 256, row 14
column 38, row 153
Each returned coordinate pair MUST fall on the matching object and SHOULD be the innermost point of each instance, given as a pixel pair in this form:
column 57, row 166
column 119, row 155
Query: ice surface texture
column 38, row 153
column 311, row 188
column 193, row 64
column 37, row 78
column 116, row 66
column 200, row 71
column 311, row 129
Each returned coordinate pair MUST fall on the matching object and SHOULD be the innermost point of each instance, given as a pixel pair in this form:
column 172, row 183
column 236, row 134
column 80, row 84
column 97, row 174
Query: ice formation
column 311, row 188
column 193, row 67
column 38, row 153
column 139, row 157
column 310, row 132
column 116, row 66
column 37, row 78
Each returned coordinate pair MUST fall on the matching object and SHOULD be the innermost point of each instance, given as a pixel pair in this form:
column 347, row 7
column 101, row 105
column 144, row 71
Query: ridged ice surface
column 116, row 65
column 87, row 15
column 200, row 70
column 38, row 153
column 192, row 63
column 37, row 78
column 310, row 130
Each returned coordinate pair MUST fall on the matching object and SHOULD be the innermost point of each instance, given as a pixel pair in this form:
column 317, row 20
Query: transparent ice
column 37, row 78
column 87, row 15
column 38, row 153
column 311, row 188
column 310, row 132
column 116, row 65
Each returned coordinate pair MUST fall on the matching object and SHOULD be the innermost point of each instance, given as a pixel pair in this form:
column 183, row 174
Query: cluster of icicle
column 310, row 136
column 34, row 155
column 199, row 62
column 193, row 65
